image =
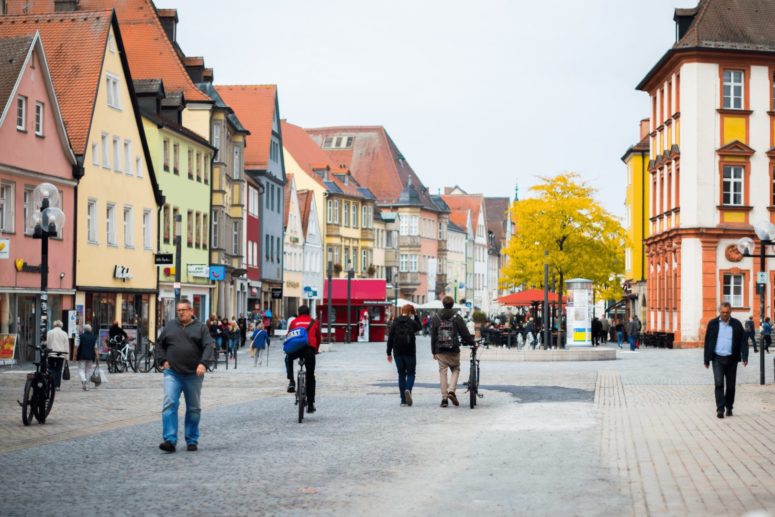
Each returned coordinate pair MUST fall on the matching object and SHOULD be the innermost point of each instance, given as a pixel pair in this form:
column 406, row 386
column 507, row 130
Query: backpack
column 447, row 335
column 404, row 333
column 297, row 339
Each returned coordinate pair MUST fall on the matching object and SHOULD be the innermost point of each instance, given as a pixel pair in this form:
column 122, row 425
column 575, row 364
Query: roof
column 183, row 131
column 75, row 46
column 376, row 162
column 305, row 208
column 13, row 54
column 528, row 297
column 211, row 92
column 255, row 106
column 741, row 25
column 641, row 147
column 496, row 214
column 312, row 159
column 460, row 205
column 455, row 228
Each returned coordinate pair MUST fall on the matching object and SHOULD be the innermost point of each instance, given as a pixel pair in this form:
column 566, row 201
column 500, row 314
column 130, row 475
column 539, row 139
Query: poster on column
column 7, row 347
column 363, row 327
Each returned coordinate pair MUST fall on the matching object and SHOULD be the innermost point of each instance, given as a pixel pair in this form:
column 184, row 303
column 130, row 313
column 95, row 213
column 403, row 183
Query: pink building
column 33, row 149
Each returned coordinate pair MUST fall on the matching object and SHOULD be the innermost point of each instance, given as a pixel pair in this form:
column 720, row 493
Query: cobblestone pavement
column 636, row 436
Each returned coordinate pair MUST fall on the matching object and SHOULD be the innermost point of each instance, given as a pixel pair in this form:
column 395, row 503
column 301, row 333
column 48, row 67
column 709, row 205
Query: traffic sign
column 163, row 259
column 761, row 277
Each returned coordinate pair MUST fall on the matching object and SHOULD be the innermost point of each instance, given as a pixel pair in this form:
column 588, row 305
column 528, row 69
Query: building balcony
column 408, row 241
column 333, row 230
column 443, row 248
column 391, row 257
column 367, row 234
column 408, row 280
column 441, row 283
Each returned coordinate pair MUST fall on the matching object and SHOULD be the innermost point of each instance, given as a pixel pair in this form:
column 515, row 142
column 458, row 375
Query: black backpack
column 404, row 333
column 447, row 337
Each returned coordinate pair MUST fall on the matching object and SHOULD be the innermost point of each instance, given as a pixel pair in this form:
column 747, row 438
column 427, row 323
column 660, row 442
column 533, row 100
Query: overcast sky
column 480, row 94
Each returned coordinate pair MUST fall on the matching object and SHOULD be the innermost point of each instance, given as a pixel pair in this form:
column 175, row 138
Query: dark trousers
column 767, row 342
column 55, row 366
column 406, row 366
column 309, row 363
column 724, row 372
column 750, row 336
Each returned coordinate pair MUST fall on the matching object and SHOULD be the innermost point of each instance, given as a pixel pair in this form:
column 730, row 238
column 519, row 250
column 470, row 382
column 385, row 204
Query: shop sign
column 23, row 267
column 217, row 272
column 122, row 273
column 291, row 284
column 163, row 259
column 199, row 270
column 277, row 293
column 5, row 249
column 7, row 346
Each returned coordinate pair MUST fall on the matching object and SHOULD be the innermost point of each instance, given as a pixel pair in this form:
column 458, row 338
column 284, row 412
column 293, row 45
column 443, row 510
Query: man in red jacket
column 313, row 331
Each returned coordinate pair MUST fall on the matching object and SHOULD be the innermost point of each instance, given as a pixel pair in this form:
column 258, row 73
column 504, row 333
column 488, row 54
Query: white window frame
column 21, row 113
column 128, row 157
column 165, row 144
column 110, row 229
column 733, row 185
column 138, row 167
column 147, row 229
column 105, row 150
column 235, row 163
column 217, row 139
column 129, row 227
column 91, row 221
column 40, row 108
column 733, row 289
column 95, row 154
column 116, row 154
column 734, row 91
column 7, row 197
column 114, row 99
column 27, row 208
column 235, row 238
column 346, row 213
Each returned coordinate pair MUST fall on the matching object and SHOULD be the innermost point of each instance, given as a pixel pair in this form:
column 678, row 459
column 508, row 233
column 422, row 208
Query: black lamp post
column 765, row 231
column 47, row 222
column 545, row 312
column 330, row 272
column 178, row 261
column 350, row 274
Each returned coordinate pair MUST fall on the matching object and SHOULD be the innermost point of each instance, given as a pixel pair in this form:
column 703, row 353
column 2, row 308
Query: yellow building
column 636, row 222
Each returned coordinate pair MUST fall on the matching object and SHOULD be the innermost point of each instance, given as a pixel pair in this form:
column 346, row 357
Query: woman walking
column 402, row 345
column 86, row 355
column 766, row 334
column 259, row 341
column 619, row 329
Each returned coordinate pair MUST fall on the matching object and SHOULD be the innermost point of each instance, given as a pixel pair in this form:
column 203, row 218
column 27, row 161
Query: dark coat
column 739, row 344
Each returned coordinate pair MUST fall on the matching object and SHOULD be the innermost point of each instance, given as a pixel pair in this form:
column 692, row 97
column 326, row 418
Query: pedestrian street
column 635, row 436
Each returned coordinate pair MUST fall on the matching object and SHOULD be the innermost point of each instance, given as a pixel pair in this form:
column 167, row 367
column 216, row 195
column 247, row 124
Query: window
column 235, row 237
column 198, row 167
column 204, row 230
column 175, row 228
column 21, row 113
column 274, row 151
column 166, row 148
column 364, row 260
column 39, row 107
column 413, row 263
column 128, row 157
column 147, row 229
column 266, row 247
column 91, row 221
column 413, row 225
column 105, row 151
column 111, row 226
column 27, row 200
column 354, row 215
column 129, row 227
column 116, row 154
column 198, row 230
column 346, row 218
column 206, row 164
column 175, row 159
column 138, row 167
column 217, row 140
column 190, row 228
column 403, row 225
column 6, row 207
column 733, row 89
column 111, row 84
column 268, row 191
column 403, row 263
column 330, row 211
column 733, row 186
column 95, row 154
column 336, row 255
column 190, row 164
column 215, row 231
column 733, row 290
column 165, row 220
column 235, row 164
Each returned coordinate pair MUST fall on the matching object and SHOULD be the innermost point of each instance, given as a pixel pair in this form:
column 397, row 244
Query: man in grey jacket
column 186, row 349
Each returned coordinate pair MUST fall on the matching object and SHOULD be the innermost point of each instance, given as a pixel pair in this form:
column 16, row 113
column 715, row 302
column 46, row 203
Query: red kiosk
column 367, row 309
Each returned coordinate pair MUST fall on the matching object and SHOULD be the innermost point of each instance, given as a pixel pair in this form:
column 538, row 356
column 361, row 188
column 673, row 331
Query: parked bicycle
column 147, row 360
column 121, row 355
column 473, row 376
column 301, row 389
column 39, row 391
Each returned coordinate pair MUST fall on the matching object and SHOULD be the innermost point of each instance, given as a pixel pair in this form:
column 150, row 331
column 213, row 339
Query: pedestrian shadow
column 522, row 394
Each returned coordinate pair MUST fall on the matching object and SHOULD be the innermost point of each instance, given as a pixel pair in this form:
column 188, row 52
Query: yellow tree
column 579, row 237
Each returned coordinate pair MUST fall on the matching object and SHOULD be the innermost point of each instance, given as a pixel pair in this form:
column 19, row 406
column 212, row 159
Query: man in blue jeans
column 185, row 350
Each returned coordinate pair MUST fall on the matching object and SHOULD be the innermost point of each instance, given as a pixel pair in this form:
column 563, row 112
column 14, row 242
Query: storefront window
column 100, row 309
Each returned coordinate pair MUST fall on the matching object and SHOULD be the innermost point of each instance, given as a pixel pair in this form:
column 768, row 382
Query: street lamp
column 765, row 230
column 178, row 264
column 330, row 272
column 47, row 221
column 395, row 291
column 545, row 312
column 350, row 274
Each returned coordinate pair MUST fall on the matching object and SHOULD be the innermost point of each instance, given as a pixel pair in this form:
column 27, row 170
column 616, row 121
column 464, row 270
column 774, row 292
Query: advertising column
column 579, row 312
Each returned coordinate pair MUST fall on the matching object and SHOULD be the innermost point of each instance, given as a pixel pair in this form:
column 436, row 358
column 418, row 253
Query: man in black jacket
column 447, row 330
column 725, row 347
column 402, row 344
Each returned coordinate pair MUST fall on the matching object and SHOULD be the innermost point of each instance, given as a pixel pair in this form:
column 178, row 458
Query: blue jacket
column 260, row 338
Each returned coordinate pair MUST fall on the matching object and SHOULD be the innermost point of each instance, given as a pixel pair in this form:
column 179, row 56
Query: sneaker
column 292, row 387
column 311, row 408
column 444, row 403
column 83, row 385
column 453, row 398
column 167, row 446
column 720, row 413
column 191, row 447
column 408, row 396
column 403, row 404
column 729, row 411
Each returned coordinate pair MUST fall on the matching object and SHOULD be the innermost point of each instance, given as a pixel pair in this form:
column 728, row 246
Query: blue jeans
column 191, row 386
column 632, row 343
column 233, row 342
column 619, row 338
column 406, row 365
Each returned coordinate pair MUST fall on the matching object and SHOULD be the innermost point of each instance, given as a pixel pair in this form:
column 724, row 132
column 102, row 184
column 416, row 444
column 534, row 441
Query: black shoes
column 291, row 387
column 167, row 446
column 311, row 408
column 720, row 413
column 453, row 398
column 408, row 397
column 444, row 403
column 191, row 447
column 729, row 411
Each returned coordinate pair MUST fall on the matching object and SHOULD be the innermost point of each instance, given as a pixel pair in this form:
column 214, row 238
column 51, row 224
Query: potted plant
column 371, row 270
column 479, row 318
column 337, row 268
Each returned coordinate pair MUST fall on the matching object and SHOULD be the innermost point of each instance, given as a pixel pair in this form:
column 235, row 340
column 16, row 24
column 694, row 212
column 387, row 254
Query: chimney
column 65, row 6
column 169, row 21
column 207, row 75
column 644, row 128
column 195, row 66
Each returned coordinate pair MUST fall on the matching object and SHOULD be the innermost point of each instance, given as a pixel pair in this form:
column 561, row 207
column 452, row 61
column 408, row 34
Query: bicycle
column 121, row 355
column 39, row 391
column 473, row 376
column 301, row 389
column 147, row 361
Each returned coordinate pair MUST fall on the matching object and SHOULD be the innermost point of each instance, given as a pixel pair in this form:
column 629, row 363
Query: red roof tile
column 149, row 51
column 75, row 46
column 460, row 205
column 287, row 198
column 305, row 207
column 254, row 106
column 496, row 211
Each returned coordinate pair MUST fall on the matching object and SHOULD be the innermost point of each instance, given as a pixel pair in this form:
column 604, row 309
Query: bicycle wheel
column 132, row 360
column 119, row 362
column 473, row 385
column 144, row 363
column 301, row 387
column 51, row 393
column 28, row 402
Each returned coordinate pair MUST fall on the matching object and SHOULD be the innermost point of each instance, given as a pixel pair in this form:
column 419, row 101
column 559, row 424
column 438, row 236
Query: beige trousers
column 451, row 361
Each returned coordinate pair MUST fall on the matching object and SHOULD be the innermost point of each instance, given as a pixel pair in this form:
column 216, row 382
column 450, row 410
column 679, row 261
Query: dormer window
column 338, row 142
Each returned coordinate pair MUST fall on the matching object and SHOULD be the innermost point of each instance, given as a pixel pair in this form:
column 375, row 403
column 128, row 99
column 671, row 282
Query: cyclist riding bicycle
column 304, row 320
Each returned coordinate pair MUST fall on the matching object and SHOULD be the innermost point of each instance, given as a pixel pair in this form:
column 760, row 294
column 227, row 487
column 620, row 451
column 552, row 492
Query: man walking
column 186, row 349
column 750, row 333
column 605, row 327
column 724, row 347
column 447, row 330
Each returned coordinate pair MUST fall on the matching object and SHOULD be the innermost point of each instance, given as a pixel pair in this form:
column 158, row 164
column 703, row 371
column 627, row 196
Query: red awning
column 527, row 298
column 361, row 290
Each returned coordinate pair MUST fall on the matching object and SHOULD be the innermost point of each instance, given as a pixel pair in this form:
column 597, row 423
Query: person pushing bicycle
column 447, row 331
column 312, row 326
